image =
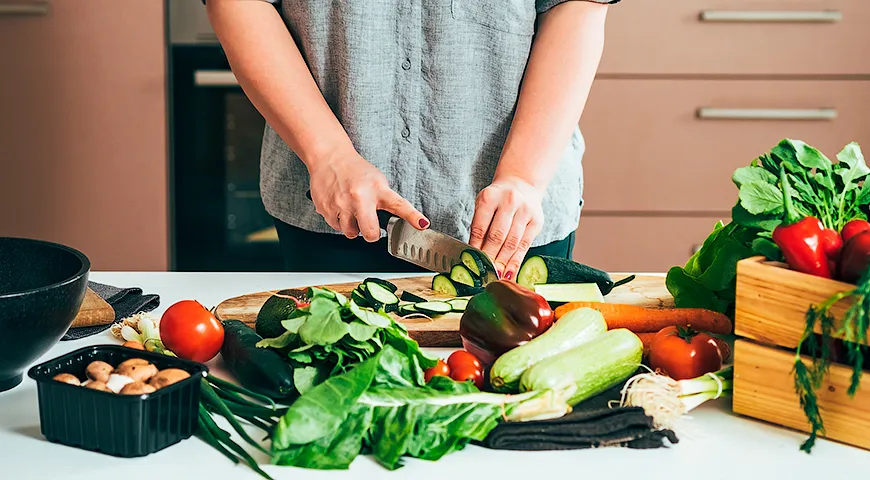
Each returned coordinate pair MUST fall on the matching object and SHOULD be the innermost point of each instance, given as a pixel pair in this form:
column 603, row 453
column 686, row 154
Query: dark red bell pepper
column 801, row 239
column 854, row 227
column 502, row 317
column 854, row 258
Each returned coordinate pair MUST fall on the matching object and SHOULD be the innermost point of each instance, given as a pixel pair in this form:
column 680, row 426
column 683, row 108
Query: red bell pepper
column 855, row 258
column 801, row 239
column 854, row 227
column 502, row 317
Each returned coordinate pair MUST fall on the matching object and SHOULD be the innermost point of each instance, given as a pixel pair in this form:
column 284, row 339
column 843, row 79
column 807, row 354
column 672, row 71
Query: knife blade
column 429, row 249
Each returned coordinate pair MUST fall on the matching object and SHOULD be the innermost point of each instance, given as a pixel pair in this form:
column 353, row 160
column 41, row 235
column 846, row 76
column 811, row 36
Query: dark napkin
column 591, row 424
column 125, row 302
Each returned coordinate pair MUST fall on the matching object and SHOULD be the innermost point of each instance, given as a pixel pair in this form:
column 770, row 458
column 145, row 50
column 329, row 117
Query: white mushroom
column 117, row 382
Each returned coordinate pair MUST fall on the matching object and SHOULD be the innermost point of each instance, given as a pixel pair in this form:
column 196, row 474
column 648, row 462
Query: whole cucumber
column 573, row 329
column 594, row 367
column 261, row 370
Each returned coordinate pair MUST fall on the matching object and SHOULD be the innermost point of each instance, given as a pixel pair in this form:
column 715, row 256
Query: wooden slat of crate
column 772, row 301
column 764, row 389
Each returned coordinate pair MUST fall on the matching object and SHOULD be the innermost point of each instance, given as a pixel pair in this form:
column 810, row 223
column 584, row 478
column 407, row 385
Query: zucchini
column 388, row 285
column 261, row 370
column 380, row 297
column 433, row 308
column 442, row 284
column 573, row 329
column 539, row 269
column 458, row 304
column 410, row 297
column 461, row 273
column 593, row 367
column 569, row 292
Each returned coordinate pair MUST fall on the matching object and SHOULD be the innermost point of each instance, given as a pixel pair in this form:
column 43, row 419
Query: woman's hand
column 507, row 218
column 347, row 191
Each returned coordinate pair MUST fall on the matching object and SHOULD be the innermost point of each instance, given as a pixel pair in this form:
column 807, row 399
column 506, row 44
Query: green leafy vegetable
column 832, row 192
column 383, row 406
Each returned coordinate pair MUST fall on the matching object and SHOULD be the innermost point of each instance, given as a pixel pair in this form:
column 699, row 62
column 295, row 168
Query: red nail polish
column 424, row 223
column 498, row 272
column 509, row 275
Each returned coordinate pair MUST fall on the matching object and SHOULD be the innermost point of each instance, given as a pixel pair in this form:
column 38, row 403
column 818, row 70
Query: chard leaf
column 852, row 157
column 759, row 198
column 752, row 174
column 306, row 378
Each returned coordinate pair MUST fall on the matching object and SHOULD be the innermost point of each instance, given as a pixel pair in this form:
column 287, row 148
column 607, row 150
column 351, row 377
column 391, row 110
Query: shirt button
column 406, row 133
column 406, row 65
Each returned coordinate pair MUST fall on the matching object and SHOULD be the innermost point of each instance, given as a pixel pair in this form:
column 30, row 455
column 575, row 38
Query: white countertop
column 716, row 444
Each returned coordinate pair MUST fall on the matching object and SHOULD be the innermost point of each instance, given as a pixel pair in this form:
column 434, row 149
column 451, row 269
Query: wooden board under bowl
column 443, row 331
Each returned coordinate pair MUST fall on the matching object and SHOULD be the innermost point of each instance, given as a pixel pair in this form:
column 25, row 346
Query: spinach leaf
column 760, row 198
column 740, row 216
column 305, row 378
column 752, row 174
column 852, row 157
column 809, row 157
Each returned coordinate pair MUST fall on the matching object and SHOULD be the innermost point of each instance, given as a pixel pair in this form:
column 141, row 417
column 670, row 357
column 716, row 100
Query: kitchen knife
column 434, row 251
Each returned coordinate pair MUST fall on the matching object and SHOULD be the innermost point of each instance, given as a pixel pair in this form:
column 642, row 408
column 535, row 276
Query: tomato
column 682, row 353
column 466, row 372
column 439, row 370
column 191, row 331
column 461, row 358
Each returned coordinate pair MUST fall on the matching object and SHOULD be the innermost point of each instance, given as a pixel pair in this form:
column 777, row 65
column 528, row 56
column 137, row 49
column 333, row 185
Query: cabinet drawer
column 648, row 150
column 737, row 36
column 640, row 244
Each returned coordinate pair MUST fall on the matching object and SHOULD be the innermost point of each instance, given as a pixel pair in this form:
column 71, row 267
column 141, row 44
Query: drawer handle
column 15, row 9
column 767, row 113
column 214, row 78
column 787, row 16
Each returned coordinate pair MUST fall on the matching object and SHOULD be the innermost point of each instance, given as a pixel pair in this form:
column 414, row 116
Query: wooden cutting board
column 443, row 331
column 94, row 311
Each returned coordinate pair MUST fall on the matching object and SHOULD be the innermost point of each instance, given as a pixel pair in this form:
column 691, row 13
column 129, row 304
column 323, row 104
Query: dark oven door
column 218, row 219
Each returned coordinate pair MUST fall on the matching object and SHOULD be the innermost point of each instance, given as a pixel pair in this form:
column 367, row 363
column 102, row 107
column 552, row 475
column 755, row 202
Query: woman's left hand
column 507, row 218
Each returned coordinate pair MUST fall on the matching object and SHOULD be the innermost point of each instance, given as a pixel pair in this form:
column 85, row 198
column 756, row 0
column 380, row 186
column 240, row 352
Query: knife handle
column 384, row 216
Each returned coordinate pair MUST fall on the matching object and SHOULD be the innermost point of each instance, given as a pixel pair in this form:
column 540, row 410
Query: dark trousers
column 306, row 251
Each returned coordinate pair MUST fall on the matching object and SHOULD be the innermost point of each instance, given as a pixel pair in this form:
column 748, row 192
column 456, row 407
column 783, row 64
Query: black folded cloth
column 125, row 302
column 591, row 424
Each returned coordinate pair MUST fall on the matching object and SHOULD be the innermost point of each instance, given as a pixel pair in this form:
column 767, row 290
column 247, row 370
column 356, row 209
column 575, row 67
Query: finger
column 487, row 201
column 395, row 204
column 514, row 238
column 367, row 219
column 348, row 224
column 497, row 233
column 525, row 243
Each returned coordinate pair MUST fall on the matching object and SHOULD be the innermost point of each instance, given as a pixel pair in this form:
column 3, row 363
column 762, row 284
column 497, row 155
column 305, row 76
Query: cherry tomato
column 465, row 372
column 191, row 331
column 682, row 353
column 461, row 358
column 439, row 370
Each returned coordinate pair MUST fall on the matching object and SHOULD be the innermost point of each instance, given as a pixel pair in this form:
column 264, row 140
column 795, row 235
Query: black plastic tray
column 110, row 423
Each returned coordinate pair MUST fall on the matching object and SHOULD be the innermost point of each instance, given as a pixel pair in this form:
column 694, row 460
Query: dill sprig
column 808, row 379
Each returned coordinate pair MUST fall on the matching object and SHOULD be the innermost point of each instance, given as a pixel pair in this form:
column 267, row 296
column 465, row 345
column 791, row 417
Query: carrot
column 642, row 319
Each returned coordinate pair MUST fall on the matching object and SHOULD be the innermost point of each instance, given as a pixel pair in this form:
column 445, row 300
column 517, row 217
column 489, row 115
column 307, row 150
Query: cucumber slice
column 569, row 292
column 533, row 271
column 359, row 298
column 434, row 308
column 407, row 309
column 458, row 304
column 410, row 297
column 461, row 274
column 472, row 261
column 380, row 297
column 442, row 284
column 546, row 269
column 388, row 285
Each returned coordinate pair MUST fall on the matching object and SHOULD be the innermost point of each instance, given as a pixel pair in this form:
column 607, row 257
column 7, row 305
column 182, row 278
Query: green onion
column 666, row 400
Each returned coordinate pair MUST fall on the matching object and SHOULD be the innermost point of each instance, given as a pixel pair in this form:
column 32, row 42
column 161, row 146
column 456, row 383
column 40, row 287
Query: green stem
column 205, row 434
column 790, row 216
column 209, row 394
column 224, row 436
column 225, row 385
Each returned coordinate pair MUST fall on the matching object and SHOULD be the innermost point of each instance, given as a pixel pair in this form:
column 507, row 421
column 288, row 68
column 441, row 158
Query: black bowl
column 42, row 287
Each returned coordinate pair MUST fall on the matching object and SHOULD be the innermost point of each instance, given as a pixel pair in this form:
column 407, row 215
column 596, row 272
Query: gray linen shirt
column 426, row 90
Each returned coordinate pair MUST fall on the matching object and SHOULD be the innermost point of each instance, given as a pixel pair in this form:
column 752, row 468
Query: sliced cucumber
column 569, row 292
column 410, row 297
column 461, row 274
column 546, row 269
column 533, row 271
column 380, row 297
column 434, row 308
column 471, row 260
column 406, row 309
column 388, row 285
column 442, row 284
column 458, row 304
column 359, row 298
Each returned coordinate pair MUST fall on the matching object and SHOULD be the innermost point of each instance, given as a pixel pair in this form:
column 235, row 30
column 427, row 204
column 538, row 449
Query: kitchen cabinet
column 690, row 90
column 83, row 128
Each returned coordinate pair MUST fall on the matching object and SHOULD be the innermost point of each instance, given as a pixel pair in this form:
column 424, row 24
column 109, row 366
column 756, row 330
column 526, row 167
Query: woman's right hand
column 347, row 191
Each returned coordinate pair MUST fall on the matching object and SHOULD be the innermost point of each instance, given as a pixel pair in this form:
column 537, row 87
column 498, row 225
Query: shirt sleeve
column 544, row 5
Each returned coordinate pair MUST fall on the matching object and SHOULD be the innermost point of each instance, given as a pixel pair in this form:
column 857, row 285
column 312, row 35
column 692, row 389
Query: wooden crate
column 771, row 305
